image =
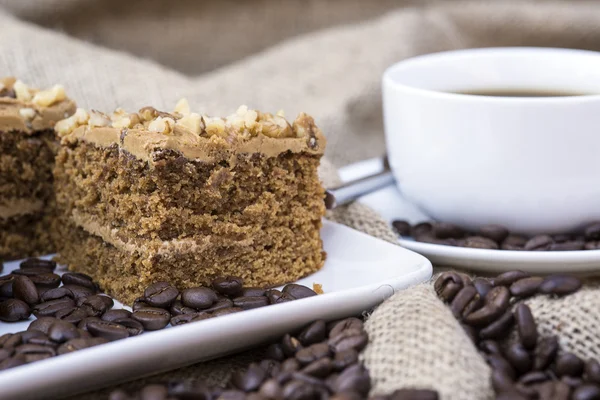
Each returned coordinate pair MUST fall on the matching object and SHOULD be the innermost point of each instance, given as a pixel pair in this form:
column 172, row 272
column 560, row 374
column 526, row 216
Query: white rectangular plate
column 360, row 272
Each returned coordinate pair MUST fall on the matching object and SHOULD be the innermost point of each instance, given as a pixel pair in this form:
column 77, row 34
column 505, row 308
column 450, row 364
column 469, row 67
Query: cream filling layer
column 17, row 207
column 115, row 237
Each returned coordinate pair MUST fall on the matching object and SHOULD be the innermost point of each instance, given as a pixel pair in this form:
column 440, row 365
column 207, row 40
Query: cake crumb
column 318, row 288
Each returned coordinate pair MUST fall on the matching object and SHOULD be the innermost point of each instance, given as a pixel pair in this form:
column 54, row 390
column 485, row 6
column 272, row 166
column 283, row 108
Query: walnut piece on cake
column 184, row 197
column 27, row 118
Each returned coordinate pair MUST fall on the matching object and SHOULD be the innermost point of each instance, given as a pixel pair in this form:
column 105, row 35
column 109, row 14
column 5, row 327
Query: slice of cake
column 27, row 118
column 183, row 198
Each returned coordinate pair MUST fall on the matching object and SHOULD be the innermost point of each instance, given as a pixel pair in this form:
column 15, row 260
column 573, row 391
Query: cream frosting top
column 196, row 137
column 25, row 109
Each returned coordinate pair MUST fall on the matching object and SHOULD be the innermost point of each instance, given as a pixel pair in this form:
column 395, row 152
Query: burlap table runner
column 333, row 74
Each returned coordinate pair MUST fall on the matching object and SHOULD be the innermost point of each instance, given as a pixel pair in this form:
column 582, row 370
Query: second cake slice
column 183, row 198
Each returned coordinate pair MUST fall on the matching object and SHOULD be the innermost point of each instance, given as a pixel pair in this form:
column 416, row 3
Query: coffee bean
column 49, row 265
column 227, row 285
column 290, row 365
column 571, row 245
column 107, row 330
column 320, row 368
column 345, row 358
column 43, row 340
column 501, row 382
column 414, row 394
column 83, row 324
column 6, row 289
column 61, row 331
column 592, row 232
column 420, row 229
column 50, row 308
column 569, row 364
column 402, row 228
column 189, row 390
column 348, row 340
column 550, row 390
column 497, row 233
column 315, row 332
column 539, row 243
column 443, row 230
column 152, row 319
column 273, row 295
column 182, row 319
column 133, row 327
column 533, row 377
column 465, row 299
column 509, row 277
column 275, row 352
column 298, row 390
column 13, row 310
column 112, row 315
column 72, row 314
column 519, row 358
column 483, row 286
column 160, row 294
column 499, row 328
column 56, row 293
column 498, row 362
column 354, row 379
column 495, row 304
column 271, row 367
column 252, row 291
column 571, row 381
column 77, row 278
column 290, row 345
column 79, row 292
column 312, row 353
column 95, row 305
column 24, row 289
column 35, row 349
column 587, row 391
column 248, row 303
column 479, row 242
column 271, row 389
column 48, row 280
column 6, row 353
column 232, row 395
column 79, row 344
column 526, row 287
column 13, row 362
column 351, row 323
column 513, row 242
column 12, row 340
column 177, row 308
column 298, row 291
column 30, row 271
column 220, row 305
column 545, row 352
column 592, row 371
column 41, row 324
column 526, row 326
column 250, row 379
column 225, row 311
column 559, row 285
column 198, row 297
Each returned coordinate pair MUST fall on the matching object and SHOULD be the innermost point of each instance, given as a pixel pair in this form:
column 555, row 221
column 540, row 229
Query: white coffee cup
column 531, row 164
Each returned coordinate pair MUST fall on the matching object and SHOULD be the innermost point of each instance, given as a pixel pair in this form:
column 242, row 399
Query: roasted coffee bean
column 61, row 331
column 495, row 304
column 271, row 367
column 160, row 294
column 72, row 314
column 250, row 379
column 56, row 293
column 501, row 382
column 592, row 371
column 48, row 280
column 248, row 303
column 77, row 278
column 35, row 349
column 228, row 285
column 41, row 324
column 24, row 289
column 514, row 242
column 483, row 286
column 11, row 340
column 348, row 339
column 43, row 340
column 139, row 303
column 232, row 395
column 198, row 297
column 225, row 311
column 6, row 289
column 497, row 362
column 592, row 232
column 519, row 358
column 271, row 389
column 107, row 330
column 290, row 345
column 571, row 381
column 345, row 358
column 50, row 308
column 252, row 291
column 273, row 295
column 526, row 326
column 220, row 305
column 30, row 271
column 13, row 362
column 112, row 315
column 290, row 365
column 13, row 310
column 182, row 319
column 79, row 292
column 275, row 352
column 587, row 391
column 420, row 229
column 545, row 352
column 83, row 324
column 312, row 353
column 414, row 394
column 497, row 233
column 550, row 390
column 49, row 265
column 443, row 230
column 571, row 245
column 313, row 333
column 298, row 291
column 95, row 305
column 508, row 278
column 526, row 287
column 466, row 299
column 152, row 319
column 499, row 328
column 351, row 323
column 569, row 364
column 298, row 390
column 539, row 243
column 6, row 353
column 133, row 327
column 534, row 377
column 479, row 242
column 79, row 344
column 177, row 308
column 320, row 368
column 354, row 379
column 490, row 347
column 189, row 390
column 559, row 285
column 402, row 228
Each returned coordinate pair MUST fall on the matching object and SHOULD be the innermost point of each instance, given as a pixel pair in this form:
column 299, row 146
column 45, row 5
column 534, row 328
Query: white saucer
column 390, row 204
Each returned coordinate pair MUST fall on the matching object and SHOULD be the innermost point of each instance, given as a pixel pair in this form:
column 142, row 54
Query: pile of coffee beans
column 76, row 315
column 497, row 237
column 318, row 362
column 532, row 367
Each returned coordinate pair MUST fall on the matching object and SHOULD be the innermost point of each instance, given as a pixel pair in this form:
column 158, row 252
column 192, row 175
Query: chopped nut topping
column 46, row 98
column 162, row 125
column 27, row 113
column 193, row 122
column 182, row 107
column 98, row 118
column 214, row 126
column 68, row 125
column 22, row 91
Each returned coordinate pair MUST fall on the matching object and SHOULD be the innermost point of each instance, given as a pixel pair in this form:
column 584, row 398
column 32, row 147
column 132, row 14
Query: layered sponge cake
column 27, row 118
column 184, row 198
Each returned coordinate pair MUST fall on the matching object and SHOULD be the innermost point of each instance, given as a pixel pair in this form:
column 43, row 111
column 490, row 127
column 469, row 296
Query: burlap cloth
column 322, row 57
